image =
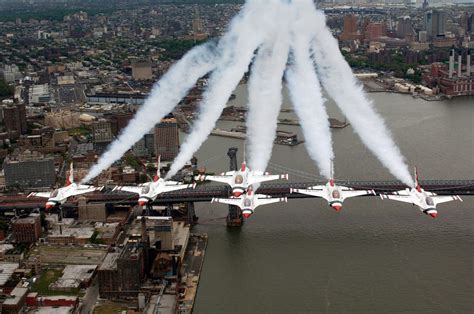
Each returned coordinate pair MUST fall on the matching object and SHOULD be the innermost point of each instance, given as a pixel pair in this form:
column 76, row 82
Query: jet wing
column 400, row 198
column 269, row 200
column 130, row 189
column 265, row 177
column 228, row 201
column 175, row 187
column 355, row 193
column 443, row 199
column 227, row 179
column 81, row 190
column 40, row 194
column 316, row 191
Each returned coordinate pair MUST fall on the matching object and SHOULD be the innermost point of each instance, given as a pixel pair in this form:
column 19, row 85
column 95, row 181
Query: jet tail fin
column 417, row 181
column 157, row 175
column 331, row 169
column 70, row 178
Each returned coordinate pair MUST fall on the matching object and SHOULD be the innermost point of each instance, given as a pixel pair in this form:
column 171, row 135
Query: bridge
column 206, row 192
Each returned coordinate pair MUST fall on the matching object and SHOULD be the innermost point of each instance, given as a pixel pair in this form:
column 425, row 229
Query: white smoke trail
column 165, row 95
column 340, row 83
column 265, row 98
column 305, row 93
column 237, row 50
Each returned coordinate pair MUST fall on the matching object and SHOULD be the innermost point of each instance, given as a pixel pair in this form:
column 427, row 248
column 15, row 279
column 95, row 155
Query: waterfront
column 375, row 256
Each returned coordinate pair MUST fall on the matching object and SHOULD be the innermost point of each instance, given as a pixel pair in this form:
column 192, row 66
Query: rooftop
column 110, row 261
column 6, row 271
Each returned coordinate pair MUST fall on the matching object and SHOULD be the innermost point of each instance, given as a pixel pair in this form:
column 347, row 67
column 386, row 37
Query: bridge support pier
column 192, row 218
column 234, row 217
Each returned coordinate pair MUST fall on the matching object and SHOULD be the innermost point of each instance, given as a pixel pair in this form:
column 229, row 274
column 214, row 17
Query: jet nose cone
column 142, row 202
column 337, row 207
column 434, row 215
column 236, row 193
column 246, row 214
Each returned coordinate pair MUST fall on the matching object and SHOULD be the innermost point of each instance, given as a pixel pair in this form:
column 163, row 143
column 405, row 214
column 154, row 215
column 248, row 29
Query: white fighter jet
column 242, row 179
column 333, row 193
column 425, row 200
column 149, row 191
column 249, row 201
column 60, row 196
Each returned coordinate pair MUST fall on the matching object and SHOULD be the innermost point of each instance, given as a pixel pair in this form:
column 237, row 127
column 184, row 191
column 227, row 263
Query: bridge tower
column 234, row 217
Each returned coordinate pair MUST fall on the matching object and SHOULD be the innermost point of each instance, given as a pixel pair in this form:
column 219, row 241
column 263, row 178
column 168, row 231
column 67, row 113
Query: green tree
column 5, row 89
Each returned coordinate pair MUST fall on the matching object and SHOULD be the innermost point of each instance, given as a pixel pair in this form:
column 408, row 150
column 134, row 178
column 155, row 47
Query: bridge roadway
column 205, row 192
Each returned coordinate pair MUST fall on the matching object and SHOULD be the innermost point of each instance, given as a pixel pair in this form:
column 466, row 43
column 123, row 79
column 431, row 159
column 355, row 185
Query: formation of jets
column 243, row 196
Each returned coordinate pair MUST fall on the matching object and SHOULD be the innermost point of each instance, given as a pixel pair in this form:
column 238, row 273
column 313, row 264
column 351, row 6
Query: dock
column 191, row 272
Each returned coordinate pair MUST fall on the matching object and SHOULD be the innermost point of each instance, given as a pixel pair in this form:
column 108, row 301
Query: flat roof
column 110, row 261
column 15, row 296
column 6, row 271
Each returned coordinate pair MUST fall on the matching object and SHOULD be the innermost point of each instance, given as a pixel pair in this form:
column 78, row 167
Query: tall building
column 405, row 29
column 14, row 118
column 350, row 31
column 374, row 31
column 29, row 169
column 435, row 23
column 425, row 5
column 27, row 230
column 121, row 273
column 119, row 121
column 102, row 131
column 167, row 139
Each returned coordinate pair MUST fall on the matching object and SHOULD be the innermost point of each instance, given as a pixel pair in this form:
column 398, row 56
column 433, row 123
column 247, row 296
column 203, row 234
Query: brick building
column 167, row 139
column 14, row 118
column 121, row 273
column 27, row 230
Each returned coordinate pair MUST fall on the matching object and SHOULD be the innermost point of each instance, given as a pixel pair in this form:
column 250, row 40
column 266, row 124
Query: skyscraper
column 167, row 138
column 404, row 28
column 435, row 23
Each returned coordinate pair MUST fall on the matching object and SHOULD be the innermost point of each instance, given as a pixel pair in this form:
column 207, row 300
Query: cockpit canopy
column 146, row 189
column 429, row 201
column 247, row 202
column 336, row 194
column 238, row 179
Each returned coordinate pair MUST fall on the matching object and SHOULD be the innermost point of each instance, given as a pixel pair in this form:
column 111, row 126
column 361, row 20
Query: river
column 374, row 256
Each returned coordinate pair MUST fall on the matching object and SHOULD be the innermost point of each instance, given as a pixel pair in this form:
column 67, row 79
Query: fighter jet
column 425, row 200
column 60, row 196
column 249, row 201
column 149, row 191
column 333, row 193
column 242, row 179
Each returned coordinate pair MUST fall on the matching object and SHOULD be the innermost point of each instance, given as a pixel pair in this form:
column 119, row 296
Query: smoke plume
column 305, row 93
column 164, row 96
column 338, row 80
column 265, row 98
column 237, row 49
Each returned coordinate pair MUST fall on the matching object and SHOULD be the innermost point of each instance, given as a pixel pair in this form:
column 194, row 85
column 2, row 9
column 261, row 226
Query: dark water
column 373, row 257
